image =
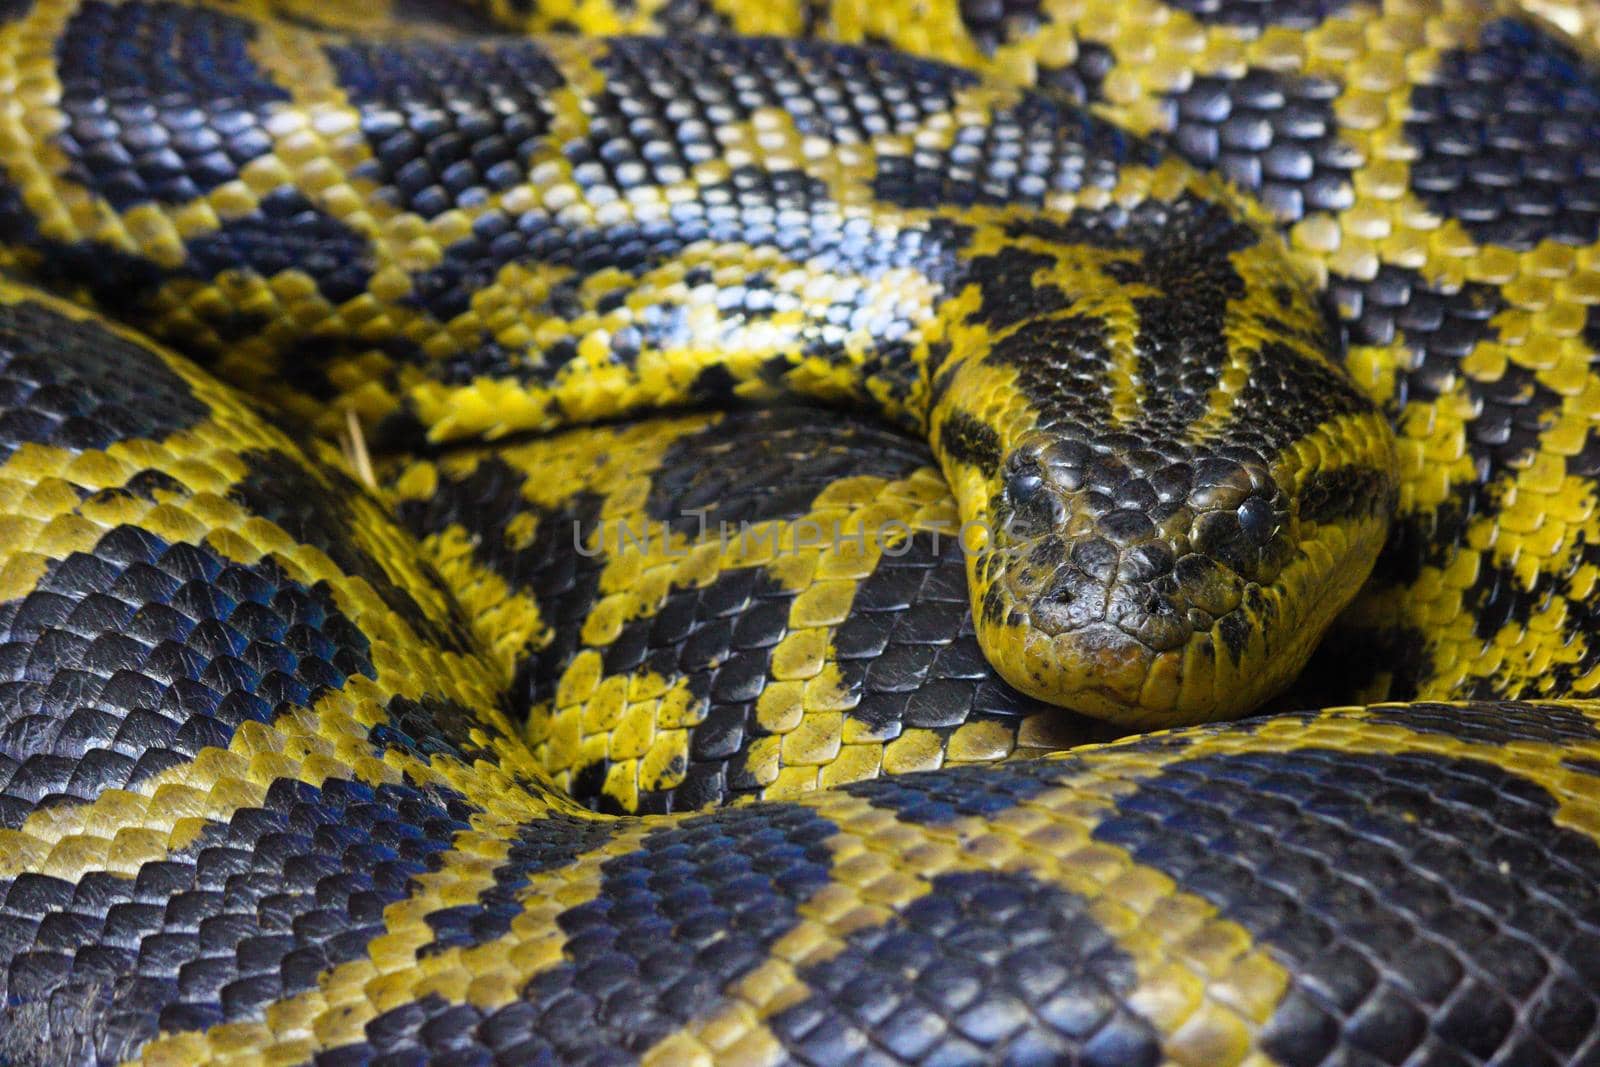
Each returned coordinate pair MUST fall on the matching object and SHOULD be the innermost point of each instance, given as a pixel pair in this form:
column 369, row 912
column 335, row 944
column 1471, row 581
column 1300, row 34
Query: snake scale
column 1254, row 343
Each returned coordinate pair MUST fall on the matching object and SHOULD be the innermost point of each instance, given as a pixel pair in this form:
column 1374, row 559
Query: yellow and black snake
column 1106, row 347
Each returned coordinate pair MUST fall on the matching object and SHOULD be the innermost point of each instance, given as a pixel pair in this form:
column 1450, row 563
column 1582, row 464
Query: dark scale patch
column 909, row 650
column 1508, row 139
column 1427, row 909
column 1061, row 365
column 675, row 923
column 1303, row 394
column 255, row 911
column 279, row 489
column 72, row 384
column 131, row 658
column 1333, row 496
column 1495, row 723
column 958, row 792
column 286, row 233
column 653, row 124
column 1498, row 599
column 1441, row 329
column 986, row 967
column 448, row 125
column 1273, row 134
column 117, row 282
column 562, row 579
column 681, row 94
column 1017, row 156
column 756, row 465
column 992, row 23
column 542, row 844
column 1261, row 14
column 12, row 10
column 1006, row 282
column 163, row 102
column 718, row 639
column 432, row 726
column 744, row 209
column 1081, row 80
column 685, row 17
column 964, row 439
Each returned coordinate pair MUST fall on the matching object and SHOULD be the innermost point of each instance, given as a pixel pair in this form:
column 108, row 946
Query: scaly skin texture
column 276, row 773
column 1170, row 486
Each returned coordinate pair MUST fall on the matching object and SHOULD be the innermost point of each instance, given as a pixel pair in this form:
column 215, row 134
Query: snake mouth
column 1160, row 588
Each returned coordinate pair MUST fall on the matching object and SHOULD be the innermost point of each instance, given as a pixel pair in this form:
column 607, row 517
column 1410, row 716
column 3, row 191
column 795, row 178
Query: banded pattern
column 285, row 759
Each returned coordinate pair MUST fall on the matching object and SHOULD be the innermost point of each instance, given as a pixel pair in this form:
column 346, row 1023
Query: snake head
column 1156, row 581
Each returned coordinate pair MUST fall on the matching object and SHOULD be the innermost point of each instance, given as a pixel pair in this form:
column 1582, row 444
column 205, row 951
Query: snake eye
column 1024, row 480
column 1257, row 519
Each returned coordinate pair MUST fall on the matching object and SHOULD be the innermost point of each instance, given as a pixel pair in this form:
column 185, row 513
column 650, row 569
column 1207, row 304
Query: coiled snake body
column 1206, row 311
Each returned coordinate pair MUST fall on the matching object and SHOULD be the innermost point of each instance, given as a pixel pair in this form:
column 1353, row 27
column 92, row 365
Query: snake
column 697, row 531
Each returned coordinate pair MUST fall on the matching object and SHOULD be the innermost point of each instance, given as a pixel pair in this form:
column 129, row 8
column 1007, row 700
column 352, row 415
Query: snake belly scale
column 1198, row 312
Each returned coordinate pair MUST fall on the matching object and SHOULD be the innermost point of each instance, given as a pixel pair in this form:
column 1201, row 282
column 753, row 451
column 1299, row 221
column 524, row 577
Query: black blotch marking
column 450, row 17
column 542, row 844
column 281, row 490
column 674, row 924
column 286, row 233
column 1346, row 493
column 1505, row 135
column 1271, row 133
column 1302, row 395
column 1426, row 909
column 257, row 909
column 1351, row 659
column 1441, row 329
column 718, row 641
column 1010, row 295
column 1017, row 156
column 70, row 383
column 12, row 10
column 1081, row 80
column 909, row 652
column 447, row 124
column 163, row 102
column 148, row 485
column 1494, row 722
column 1182, row 250
column 956, row 792
column 770, row 464
column 433, row 726
column 1261, row 14
column 1060, row 366
column 992, row 23
column 563, row 581
column 129, row 659
column 1235, row 631
column 682, row 17
column 985, row 967
column 964, row 439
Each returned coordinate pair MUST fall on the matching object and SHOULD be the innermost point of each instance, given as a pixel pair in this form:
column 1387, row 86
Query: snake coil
column 1131, row 357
